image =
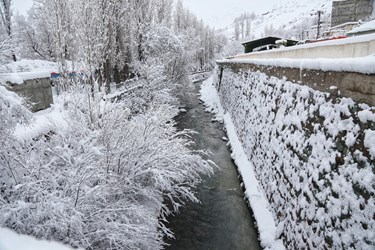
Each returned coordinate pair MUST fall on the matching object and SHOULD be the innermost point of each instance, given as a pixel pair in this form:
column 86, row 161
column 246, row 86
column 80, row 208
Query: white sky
column 216, row 13
column 22, row 6
column 221, row 13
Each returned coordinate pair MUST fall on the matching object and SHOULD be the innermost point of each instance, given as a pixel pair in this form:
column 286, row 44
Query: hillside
column 291, row 19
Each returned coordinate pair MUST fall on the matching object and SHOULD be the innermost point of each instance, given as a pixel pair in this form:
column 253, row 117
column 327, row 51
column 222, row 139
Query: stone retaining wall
column 313, row 154
column 359, row 87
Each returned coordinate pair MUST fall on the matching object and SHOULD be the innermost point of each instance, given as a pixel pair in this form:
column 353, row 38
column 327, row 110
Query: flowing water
column 222, row 220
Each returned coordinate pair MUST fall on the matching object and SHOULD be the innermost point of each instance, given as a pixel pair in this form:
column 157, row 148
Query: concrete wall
column 37, row 92
column 351, row 11
column 329, row 49
column 309, row 152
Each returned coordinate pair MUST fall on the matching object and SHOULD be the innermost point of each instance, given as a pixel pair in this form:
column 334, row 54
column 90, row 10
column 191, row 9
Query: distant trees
column 242, row 26
column 6, row 44
column 109, row 36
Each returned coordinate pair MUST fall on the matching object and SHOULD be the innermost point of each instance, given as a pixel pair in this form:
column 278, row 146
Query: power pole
column 319, row 13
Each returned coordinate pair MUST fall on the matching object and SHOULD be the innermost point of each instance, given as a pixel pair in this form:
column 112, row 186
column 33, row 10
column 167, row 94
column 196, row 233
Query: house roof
column 251, row 45
column 266, row 39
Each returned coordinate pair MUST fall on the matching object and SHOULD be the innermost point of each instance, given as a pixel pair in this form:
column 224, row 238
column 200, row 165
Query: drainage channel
column 222, row 220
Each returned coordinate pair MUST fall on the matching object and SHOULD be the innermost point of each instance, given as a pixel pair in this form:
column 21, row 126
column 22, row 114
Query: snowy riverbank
column 312, row 154
column 268, row 232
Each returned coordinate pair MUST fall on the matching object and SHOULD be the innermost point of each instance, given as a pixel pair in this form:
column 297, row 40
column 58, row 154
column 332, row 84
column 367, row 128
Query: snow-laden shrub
column 313, row 156
column 11, row 112
column 101, row 181
column 162, row 47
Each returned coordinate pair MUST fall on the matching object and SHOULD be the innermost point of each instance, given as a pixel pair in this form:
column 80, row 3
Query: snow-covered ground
column 10, row 240
column 259, row 204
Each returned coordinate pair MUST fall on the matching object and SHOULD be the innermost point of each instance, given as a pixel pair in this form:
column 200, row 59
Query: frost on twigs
column 101, row 180
column 313, row 156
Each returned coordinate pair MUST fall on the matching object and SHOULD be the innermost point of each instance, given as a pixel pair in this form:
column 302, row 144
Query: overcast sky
column 22, row 6
column 221, row 13
column 217, row 13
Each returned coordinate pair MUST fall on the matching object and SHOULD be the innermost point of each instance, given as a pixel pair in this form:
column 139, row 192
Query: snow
column 19, row 78
column 287, row 17
column 59, row 152
column 25, row 69
column 370, row 142
column 10, row 97
column 306, row 151
column 44, row 121
column 335, row 42
column 26, row 65
column 364, row 65
column 258, row 202
column 368, row 26
column 212, row 101
column 10, row 240
column 366, row 115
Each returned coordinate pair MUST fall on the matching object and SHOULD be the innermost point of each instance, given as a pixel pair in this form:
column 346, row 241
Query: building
column 346, row 11
column 267, row 43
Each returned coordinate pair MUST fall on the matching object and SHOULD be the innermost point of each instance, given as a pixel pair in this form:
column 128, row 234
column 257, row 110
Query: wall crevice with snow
column 313, row 155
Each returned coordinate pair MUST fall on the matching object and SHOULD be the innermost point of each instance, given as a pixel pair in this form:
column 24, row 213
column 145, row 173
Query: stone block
column 344, row 11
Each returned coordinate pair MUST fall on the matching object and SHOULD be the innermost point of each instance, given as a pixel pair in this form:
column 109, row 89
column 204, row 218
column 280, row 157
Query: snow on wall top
column 349, row 40
column 364, row 27
column 363, row 65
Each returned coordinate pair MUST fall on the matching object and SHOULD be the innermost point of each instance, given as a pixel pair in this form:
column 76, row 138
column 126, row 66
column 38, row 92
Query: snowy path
column 222, row 220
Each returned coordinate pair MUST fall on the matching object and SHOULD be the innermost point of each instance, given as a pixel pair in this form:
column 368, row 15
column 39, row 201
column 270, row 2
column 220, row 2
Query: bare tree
column 6, row 19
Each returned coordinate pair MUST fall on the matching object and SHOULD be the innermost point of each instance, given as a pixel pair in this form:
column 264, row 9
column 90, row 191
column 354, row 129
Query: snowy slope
column 10, row 240
column 287, row 19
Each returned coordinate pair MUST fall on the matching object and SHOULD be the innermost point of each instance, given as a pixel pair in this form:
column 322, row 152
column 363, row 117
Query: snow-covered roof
column 20, row 71
column 19, row 78
column 369, row 26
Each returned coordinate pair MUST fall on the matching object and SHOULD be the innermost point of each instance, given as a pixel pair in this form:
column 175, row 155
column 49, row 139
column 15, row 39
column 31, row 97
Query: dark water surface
column 222, row 220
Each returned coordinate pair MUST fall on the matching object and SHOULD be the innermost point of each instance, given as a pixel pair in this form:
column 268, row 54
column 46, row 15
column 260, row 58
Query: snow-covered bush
column 313, row 155
column 100, row 181
column 11, row 112
column 162, row 47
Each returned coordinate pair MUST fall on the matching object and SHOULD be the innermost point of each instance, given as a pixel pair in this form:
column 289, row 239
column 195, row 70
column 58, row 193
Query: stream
column 222, row 220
